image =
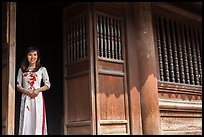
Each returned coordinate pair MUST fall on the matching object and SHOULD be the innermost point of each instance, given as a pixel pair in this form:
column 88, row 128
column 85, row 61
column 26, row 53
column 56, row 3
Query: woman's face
column 32, row 57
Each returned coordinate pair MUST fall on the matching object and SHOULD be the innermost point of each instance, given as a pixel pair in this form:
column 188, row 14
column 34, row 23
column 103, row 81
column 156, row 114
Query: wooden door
column 111, row 84
column 77, row 70
column 8, row 66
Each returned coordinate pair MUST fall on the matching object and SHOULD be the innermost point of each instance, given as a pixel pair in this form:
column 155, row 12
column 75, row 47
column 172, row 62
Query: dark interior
column 39, row 24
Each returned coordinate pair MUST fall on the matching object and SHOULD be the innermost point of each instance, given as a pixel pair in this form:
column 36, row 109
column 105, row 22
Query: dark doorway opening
column 40, row 24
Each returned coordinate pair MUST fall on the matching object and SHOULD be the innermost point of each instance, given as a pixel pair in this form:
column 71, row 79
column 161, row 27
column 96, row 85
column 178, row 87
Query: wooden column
column 133, row 79
column 147, row 69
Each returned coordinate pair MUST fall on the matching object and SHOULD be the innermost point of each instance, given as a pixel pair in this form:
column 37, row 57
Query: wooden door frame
column 10, row 61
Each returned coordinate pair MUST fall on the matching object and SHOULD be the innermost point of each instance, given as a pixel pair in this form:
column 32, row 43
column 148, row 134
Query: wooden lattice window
column 109, row 37
column 76, row 38
column 179, row 51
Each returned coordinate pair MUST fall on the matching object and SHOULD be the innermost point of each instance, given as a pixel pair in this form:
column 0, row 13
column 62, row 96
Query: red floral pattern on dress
column 25, row 75
column 28, row 108
column 32, row 80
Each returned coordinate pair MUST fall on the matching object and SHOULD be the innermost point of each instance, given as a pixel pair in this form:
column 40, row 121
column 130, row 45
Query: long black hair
column 25, row 63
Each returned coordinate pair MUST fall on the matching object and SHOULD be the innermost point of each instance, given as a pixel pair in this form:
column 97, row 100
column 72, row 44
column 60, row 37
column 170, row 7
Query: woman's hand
column 27, row 92
column 35, row 93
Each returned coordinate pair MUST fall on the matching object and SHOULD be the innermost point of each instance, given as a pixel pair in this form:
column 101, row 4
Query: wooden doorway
column 40, row 25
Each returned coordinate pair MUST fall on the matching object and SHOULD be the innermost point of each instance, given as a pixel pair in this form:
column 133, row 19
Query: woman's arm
column 25, row 91
column 46, row 82
column 19, row 84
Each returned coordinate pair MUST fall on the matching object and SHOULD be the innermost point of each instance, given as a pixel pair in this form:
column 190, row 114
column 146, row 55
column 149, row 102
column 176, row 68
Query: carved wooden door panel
column 8, row 66
column 111, row 87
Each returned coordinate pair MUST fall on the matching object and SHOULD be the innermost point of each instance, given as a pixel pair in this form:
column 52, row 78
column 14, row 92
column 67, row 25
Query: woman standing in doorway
column 32, row 110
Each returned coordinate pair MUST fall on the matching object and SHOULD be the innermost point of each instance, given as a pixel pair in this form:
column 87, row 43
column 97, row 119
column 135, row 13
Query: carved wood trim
column 180, row 114
column 179, row 91
column 183, row 106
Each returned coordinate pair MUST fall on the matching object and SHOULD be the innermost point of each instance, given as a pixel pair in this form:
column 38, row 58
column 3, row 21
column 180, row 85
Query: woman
column 32, row 110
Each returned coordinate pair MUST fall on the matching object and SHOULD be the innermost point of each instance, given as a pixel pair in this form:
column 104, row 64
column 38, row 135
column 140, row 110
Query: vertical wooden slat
column 159, row 49
column 71, row 41
column 98, row 35
column 189, row 56
column 74, row 40
column 119, row 40
column 112, row 38
column 84, row 36
column 68, row 41
column 198, row 55
column 176, row 65
column 76, row 49
column 195, row 65
column 108, row 37
column 101, row 36
column 171, row 67
column 105, row 36
column 77, row 39
column 81, row 37
column 181, row 66
column 185, row 56
column 116, row 39
column 200, row 41
column 165, row 55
